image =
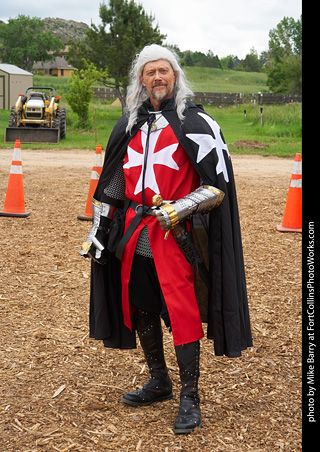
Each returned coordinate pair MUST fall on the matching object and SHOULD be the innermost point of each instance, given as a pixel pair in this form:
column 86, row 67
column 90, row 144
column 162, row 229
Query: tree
column 188, row 60
column 203, row 60
column 284, row 66
column 228, row 62
column 79, row 90
column 78, row 54
column 251, row 62
column 126, row 28
column 24, row 41
column 212, row 60
column 286, row 39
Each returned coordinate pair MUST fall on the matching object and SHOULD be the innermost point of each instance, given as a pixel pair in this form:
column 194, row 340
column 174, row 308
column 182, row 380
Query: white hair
column 137, row 93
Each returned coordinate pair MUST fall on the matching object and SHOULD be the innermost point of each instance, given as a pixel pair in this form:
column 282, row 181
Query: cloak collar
column 167, row 104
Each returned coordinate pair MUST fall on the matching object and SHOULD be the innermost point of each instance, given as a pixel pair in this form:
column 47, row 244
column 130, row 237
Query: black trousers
column 144, row 288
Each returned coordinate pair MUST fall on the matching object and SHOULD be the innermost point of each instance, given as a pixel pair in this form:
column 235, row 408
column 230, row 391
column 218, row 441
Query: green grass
column 281, row 129
column 214, row 80
column 60, row 84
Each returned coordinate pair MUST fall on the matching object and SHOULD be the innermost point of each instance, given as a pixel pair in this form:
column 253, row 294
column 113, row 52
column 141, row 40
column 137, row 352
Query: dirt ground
column 61, row 391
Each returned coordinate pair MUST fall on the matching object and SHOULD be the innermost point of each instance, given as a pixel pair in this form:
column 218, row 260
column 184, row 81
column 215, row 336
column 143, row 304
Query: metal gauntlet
column 202, row 200
column 95, row 242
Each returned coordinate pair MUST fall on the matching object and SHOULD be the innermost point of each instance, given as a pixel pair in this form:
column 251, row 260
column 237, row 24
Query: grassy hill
column 214, row 80
column 203, row 79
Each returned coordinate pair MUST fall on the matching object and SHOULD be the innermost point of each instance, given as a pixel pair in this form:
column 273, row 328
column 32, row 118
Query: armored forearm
column 95, row 242
column 202, row 200
column 103, row 213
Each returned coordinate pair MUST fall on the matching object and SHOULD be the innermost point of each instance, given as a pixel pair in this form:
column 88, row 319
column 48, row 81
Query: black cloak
column 217, row 236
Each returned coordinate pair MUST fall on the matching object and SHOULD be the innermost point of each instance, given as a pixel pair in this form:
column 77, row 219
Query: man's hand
column 166, row 215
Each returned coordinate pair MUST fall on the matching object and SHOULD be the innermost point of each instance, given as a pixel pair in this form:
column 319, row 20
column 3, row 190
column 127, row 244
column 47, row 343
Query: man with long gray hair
column 165, row 212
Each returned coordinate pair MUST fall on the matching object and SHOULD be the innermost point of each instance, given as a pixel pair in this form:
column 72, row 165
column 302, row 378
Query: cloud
column 227, row 27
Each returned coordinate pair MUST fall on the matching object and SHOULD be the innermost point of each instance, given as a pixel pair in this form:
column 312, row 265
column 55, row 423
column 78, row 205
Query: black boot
column 189, row 416
column 159, row 387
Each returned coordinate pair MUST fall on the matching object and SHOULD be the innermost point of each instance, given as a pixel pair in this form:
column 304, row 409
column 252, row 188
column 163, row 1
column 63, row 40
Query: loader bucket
column 32, row 135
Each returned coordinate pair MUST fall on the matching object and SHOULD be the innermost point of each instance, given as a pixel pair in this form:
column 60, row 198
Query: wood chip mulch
column 61, row 391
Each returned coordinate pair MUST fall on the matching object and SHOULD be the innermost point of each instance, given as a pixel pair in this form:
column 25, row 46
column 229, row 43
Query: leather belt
column 141, row 212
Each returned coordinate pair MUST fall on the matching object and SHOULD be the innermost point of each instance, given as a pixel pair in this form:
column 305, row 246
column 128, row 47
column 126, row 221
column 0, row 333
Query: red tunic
column 170, row 173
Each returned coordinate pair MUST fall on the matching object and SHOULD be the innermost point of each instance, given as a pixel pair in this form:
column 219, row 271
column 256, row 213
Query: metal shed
column 13, row 81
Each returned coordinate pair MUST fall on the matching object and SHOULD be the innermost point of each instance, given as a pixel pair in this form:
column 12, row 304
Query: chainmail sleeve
column 116, row 187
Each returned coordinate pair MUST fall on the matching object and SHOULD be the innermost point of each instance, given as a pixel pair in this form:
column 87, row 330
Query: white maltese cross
column 162, row 157
column 207, row 142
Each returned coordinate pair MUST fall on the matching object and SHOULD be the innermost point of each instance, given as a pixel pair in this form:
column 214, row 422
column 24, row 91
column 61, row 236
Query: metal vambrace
column 202, row 200
column 95, row 242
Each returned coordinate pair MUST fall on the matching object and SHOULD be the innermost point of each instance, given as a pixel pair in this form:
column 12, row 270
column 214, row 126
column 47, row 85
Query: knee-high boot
column 159, row 387
column 189, row 415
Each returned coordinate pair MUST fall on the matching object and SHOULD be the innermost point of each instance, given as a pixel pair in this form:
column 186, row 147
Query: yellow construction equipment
column 37, row 117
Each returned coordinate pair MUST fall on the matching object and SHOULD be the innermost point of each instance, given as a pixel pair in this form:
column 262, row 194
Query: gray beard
column 159, row 96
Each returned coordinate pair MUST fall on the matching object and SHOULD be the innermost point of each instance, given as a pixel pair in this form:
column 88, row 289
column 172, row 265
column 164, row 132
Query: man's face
column 158, row 78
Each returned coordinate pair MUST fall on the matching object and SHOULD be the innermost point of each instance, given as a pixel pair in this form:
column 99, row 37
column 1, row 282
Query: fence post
column 262, row 117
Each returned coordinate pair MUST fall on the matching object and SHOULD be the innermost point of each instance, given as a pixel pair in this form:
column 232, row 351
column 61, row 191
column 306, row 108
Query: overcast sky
column 227, row 27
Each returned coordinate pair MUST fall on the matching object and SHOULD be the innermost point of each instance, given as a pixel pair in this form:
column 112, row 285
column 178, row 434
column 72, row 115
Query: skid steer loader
column 37, row 117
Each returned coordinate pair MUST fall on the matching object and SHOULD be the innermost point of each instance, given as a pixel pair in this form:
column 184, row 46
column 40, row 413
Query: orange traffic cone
column 96, row 171
column 14, row 201
column 292, row 218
